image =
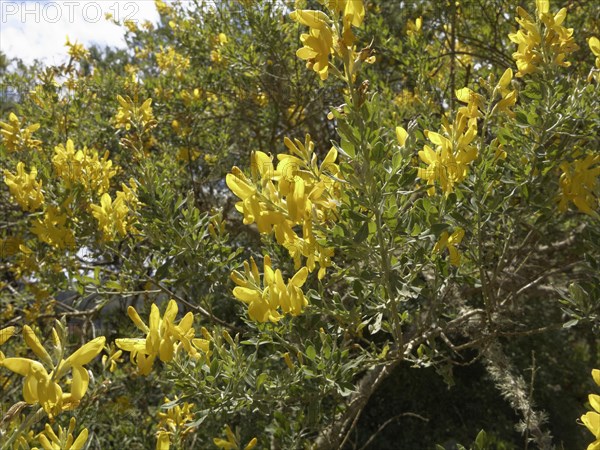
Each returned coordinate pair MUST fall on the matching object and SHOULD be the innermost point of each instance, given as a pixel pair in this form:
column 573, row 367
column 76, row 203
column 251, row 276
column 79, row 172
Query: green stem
column 32, row 418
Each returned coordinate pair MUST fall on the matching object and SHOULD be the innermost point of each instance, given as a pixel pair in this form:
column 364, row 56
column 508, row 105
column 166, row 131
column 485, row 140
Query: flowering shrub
column 317, row 218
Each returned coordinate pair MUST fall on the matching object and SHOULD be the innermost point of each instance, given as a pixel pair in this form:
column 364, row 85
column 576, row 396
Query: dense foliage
column 336, row 224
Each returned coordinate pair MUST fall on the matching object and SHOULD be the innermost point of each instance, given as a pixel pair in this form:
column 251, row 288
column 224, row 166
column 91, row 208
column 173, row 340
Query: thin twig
column 387, row 422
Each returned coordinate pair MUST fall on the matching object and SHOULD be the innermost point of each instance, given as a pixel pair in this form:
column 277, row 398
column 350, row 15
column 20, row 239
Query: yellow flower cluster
column 450, row 241
column 591, row 419
column 578, row 184
column 594, row 44
column 507, row 97
column 542, row 39
column 323, row 38
column 266, row 299
column 218, row 43
column 233, row 442
column 52, row 228
column 449, row 163
column 413, row 28
column 163, row 337
column 42, row 387
column 76, row 50
column 172, row 421
column 299, row 193
column 130, row 114
column 24, row 188
column 83, row 167
column 116, row 217
column 17, row 138
column 168, row 59
column 64, row 440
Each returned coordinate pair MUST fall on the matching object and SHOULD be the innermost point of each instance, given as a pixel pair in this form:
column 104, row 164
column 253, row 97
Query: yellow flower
column 318, row 43
column 266, row 299
column 17, row 138
column 163, row 336
column 112, row 360
column 401, row 135
column 83, row 167
column 297, row 193
column 163, row 441
column 176, row 417
column 578, row 184
column 169, row 59
column 64, row 440
column 508, row 98
column 448, row 164
column 414, row 28
column 475, row 103
column 41, row 386
column 116, row 217
column 23, row 187
column 317, row 48
column 130, row 114
column 591, row 419
column 52, row 229
column 76, row 50
column 527, row 38
column 232, row 442
column 534, row 41
column 594, row 44
column 450, row 242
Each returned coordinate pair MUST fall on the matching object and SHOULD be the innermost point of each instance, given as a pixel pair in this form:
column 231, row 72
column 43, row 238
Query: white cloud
column 38, row 29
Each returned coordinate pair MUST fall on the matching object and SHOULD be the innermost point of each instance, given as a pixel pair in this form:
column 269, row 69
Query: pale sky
column 39, row 29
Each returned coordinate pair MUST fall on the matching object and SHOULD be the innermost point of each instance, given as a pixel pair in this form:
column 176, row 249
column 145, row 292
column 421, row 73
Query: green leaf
column 362, row 233
column 481, row 440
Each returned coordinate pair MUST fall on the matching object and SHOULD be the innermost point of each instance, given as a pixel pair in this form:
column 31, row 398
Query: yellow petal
column 154, row 319
column 542, row 6
column 46, row 445
column 594, row 44
column 300, row 277
column 137, row 320
column 246, row 295
column 401, row 135
column 506, row 77
column 251, row 444
column 6, row 334
column 35, row 345
column 163, row 442
column 239, row 186
column 166, row 349
column 262, row 164
column 592, row 421
column 596, row 376
column 186, row 323
column 80, row 382
column 87, row 352
column 131, row 345
column 30, row 390
column 595, row 401
column 21, row 366
column 171, row 311
column 427, row 155
column 80, row 441
column 310, row 18
column 224, row 445
column 464, row 94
